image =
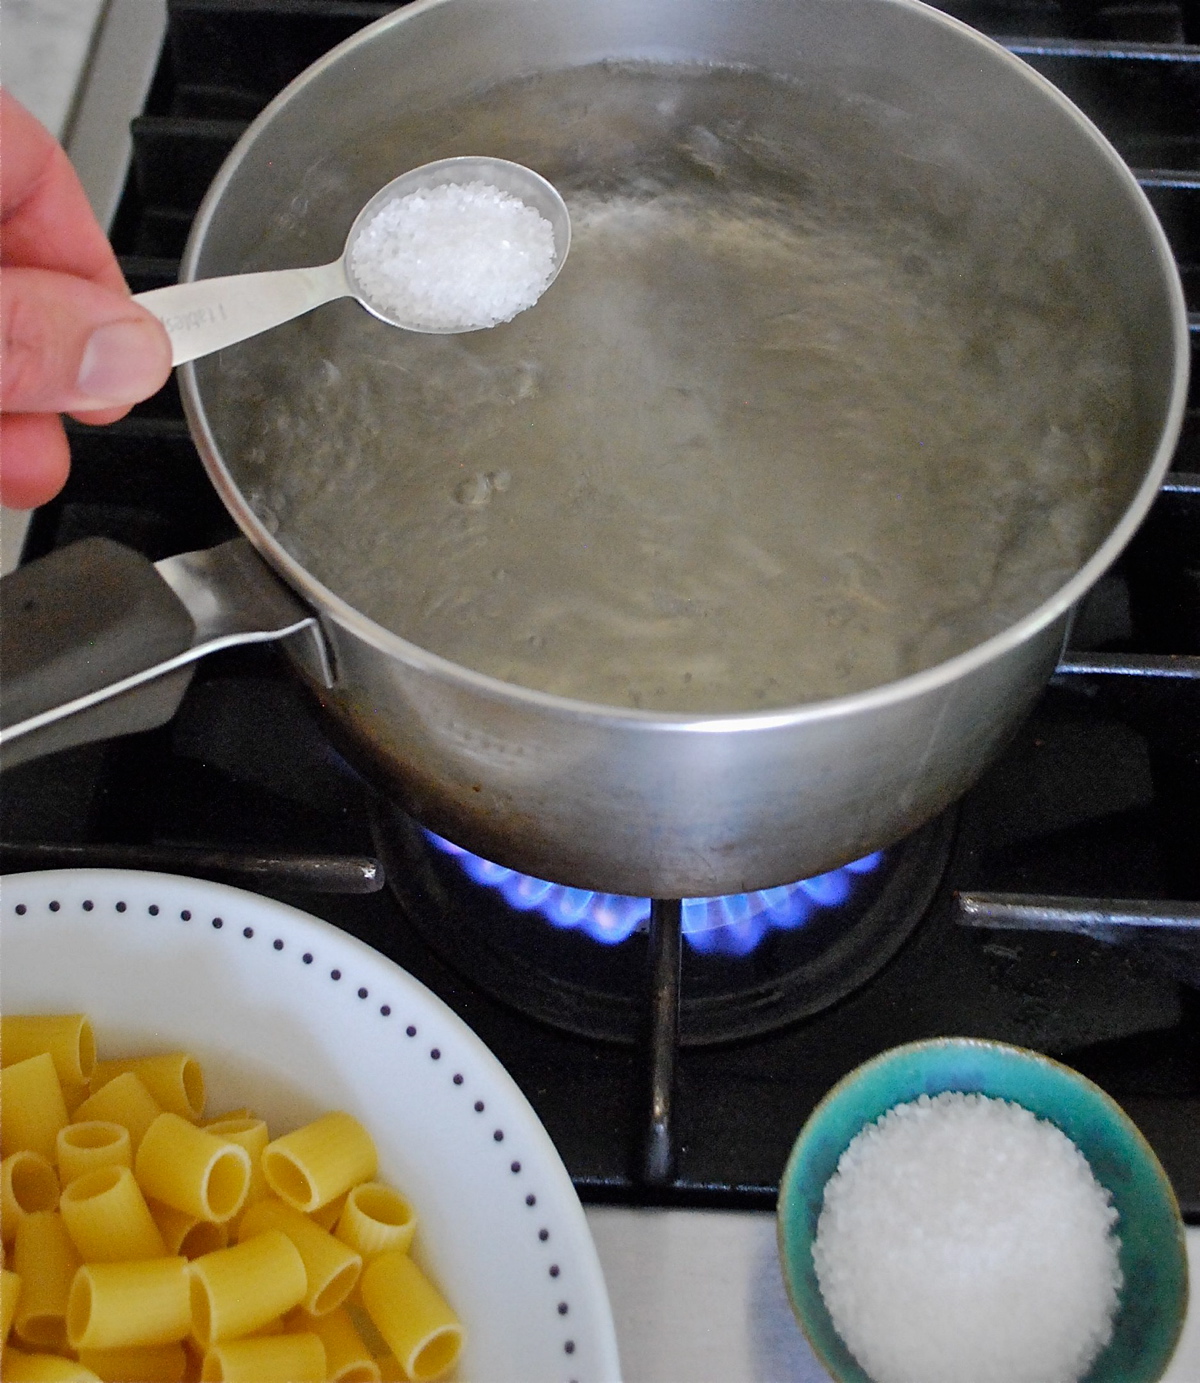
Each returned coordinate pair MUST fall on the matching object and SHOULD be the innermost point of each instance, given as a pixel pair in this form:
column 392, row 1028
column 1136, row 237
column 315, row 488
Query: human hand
column 74, row 341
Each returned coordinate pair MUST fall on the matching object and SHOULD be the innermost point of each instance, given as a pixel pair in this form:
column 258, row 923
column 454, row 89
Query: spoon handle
column 209, row 314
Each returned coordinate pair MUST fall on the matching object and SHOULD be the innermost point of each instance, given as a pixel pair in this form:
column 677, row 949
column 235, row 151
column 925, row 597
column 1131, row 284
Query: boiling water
column 814, row 403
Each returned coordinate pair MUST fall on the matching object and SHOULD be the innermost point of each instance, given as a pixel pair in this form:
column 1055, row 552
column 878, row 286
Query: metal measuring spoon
column 209, row 314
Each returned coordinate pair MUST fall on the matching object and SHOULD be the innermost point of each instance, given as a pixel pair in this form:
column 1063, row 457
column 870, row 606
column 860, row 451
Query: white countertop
column 697, row 1297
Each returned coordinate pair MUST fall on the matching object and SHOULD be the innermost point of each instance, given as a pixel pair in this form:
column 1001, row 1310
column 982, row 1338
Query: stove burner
column 731, row 925
column 755, row 963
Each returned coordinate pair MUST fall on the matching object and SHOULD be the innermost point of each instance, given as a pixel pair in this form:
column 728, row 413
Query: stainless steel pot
column 632, row 801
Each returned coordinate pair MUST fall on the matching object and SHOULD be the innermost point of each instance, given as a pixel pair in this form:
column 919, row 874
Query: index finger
column 46, row 219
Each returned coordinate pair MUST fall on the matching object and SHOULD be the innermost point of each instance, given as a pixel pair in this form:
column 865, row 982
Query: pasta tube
column 28, row 1183
column 174, row 1079
column 126, row 1305
column 412, row 1315
column 10, row 1291
column 347, row 1358
column 331, row 1268
column 190, row 1169
column 20, row 1367
column 251, row 1134
column 279, row 1359
column 108, row 1219
column 240, row 1289
column 32, row 1105
column 376, row 1218
column 310, row 1166
column 153, row 1364
column 187, row 1234
column 89, row 1145
column 45, row 1260
column 124, row 1101
column 68, row 1038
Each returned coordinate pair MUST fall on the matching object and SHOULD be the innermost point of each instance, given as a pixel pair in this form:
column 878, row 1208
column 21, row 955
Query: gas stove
column 674, row 1051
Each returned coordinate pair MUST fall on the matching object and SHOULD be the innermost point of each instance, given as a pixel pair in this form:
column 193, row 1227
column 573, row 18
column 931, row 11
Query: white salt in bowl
column 1153, row 1259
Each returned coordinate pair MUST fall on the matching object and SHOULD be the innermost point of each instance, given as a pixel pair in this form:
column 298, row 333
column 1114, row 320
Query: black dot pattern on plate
column 562, row 1307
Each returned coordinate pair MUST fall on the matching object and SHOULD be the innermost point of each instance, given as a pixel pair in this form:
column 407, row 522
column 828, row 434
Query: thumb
column 73, row 346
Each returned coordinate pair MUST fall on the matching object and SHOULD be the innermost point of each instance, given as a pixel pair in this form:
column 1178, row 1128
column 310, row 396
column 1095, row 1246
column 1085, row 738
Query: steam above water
column 814, row 403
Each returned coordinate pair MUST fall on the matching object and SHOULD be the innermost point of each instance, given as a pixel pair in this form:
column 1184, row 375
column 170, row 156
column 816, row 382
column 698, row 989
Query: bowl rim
column 789, row 1178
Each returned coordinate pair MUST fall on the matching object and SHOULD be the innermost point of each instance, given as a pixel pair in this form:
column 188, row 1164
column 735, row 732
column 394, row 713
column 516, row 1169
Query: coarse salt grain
column 458, row 257
column 964, row 1239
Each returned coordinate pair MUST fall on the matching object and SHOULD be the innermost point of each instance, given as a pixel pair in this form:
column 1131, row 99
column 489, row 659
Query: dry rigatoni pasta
column 123, row 1305
column 10, row 1291
column 252, row 1134
column 149, row 1364
column 23, row 1367
column 87, row 1145
column 174, row 1079
column 187, row 1234
column 67, row 1038
column 327, row 1215
column 130, row 1264
column 331, row 1268
column 310, row 1166
column 421, row 1329
column 33, row 1107
column 376, row 1218
column 125, row 1101
column 191, row 1169
column 46, row 1261
column 347, row 1357
column 28, row 1183
column 278, row 1359
column 108, row 1219
column 238, row 1290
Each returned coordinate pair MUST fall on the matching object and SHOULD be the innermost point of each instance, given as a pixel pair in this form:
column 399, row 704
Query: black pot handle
column 96, row 640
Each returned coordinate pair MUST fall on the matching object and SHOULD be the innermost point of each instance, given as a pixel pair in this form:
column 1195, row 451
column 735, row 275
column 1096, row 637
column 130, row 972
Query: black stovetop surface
column 1098, row 796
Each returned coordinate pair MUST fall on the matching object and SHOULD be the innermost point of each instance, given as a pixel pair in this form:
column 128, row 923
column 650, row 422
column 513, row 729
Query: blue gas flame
column 731, row 925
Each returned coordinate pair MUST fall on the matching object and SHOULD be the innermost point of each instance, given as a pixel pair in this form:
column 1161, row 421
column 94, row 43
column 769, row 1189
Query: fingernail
column 122, row 363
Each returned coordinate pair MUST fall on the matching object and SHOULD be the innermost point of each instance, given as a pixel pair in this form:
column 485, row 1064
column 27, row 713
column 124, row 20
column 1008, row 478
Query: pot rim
column 927, row 681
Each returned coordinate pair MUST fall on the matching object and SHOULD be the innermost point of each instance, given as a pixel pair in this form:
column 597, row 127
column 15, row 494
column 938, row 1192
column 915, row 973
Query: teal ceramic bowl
column 1153, row 1250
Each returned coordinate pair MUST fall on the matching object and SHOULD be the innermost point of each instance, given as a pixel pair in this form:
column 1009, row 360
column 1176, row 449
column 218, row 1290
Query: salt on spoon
column 458, row 245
